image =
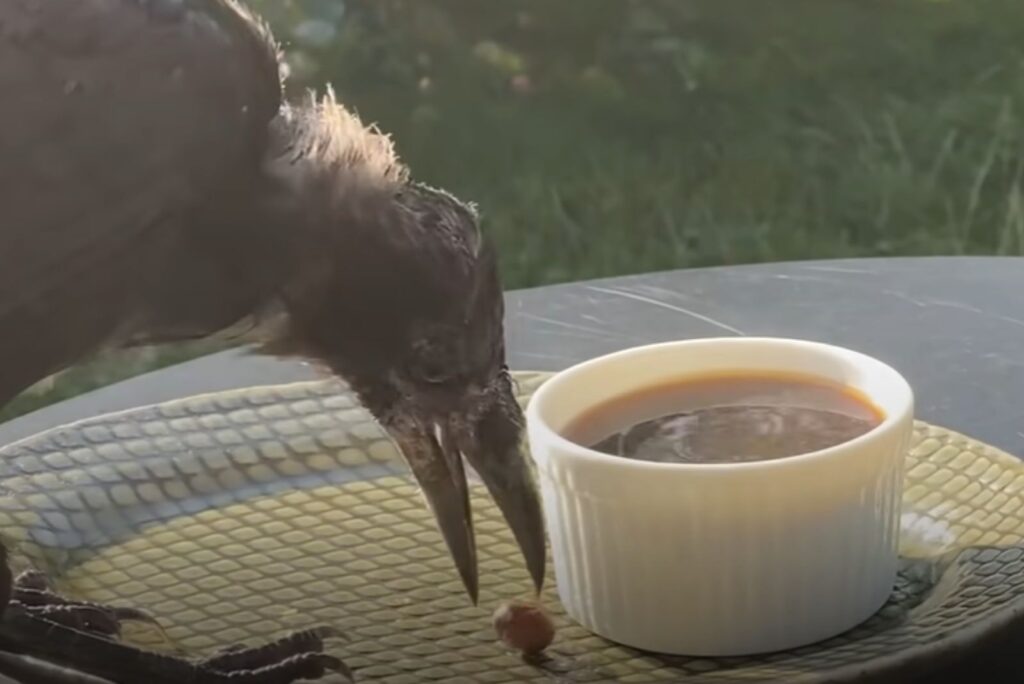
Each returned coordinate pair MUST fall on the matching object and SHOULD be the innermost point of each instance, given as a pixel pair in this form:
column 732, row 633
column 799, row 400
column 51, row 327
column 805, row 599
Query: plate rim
column 955, row 645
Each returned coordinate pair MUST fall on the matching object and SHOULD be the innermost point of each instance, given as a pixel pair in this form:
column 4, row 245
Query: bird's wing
column 116, row 116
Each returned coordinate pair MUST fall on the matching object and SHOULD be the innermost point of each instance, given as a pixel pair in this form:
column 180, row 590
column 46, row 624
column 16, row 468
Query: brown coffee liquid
column 727, row 418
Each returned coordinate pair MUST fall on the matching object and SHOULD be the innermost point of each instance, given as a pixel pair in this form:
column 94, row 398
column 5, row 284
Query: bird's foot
column 83, row 636
column 295, row 656
column 33, row 592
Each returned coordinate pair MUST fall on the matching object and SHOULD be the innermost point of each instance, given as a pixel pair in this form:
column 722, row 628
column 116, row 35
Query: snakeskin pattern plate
column 237, row 516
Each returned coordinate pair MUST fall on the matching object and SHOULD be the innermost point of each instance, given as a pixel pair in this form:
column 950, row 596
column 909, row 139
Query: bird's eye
column 434, row 360
column 433, row 372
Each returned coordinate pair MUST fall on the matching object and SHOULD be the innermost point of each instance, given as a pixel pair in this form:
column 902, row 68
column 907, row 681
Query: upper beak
column 491, row 444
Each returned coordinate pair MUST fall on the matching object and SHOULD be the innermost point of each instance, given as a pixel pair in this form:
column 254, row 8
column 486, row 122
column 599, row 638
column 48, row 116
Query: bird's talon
column 233, row 648
column 32, row 579
column 133, row 615
column 337, row 665
column 325, row 632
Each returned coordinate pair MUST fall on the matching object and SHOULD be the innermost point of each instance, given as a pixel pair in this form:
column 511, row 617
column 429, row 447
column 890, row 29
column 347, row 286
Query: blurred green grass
column 603, row 137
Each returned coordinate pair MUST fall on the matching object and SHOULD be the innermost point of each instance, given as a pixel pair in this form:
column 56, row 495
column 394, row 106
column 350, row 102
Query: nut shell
column 524, row 626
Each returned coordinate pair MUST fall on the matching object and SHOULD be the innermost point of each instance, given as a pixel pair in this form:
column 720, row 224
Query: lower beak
column 442, row 480
column 492, row 447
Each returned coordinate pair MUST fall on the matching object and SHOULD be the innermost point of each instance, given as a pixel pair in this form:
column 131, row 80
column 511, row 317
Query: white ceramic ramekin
column 722, row 559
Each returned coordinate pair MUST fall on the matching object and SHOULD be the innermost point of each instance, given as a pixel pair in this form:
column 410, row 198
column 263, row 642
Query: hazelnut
column 524, row 626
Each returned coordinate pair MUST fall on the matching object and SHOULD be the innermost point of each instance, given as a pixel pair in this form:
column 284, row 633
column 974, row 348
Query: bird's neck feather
column 326, row 197
column 320, row 141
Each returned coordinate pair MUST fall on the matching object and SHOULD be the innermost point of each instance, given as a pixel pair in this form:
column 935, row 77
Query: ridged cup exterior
column 725, row 559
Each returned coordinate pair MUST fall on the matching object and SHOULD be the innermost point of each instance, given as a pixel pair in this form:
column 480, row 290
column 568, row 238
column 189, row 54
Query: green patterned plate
column 236, row 516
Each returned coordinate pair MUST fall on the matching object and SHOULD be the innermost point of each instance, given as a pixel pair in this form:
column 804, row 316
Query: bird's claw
column 84, row 637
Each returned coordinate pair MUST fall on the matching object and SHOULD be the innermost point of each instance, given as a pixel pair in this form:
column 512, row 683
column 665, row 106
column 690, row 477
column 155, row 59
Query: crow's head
column 403, row 300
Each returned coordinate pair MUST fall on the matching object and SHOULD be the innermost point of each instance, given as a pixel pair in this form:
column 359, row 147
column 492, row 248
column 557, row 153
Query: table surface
column 953, row 326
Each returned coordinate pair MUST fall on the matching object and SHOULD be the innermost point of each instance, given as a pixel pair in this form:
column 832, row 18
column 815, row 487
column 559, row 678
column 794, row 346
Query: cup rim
column 565, row 446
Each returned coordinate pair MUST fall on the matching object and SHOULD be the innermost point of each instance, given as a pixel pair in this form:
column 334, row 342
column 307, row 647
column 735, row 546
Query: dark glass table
column 953, row 326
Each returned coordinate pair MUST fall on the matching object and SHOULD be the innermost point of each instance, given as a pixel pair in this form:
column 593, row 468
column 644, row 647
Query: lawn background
column 604, row 137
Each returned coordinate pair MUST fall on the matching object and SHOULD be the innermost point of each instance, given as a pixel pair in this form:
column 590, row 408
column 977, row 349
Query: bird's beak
column 491, row 444
column 442, row 480
column 493, row 447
